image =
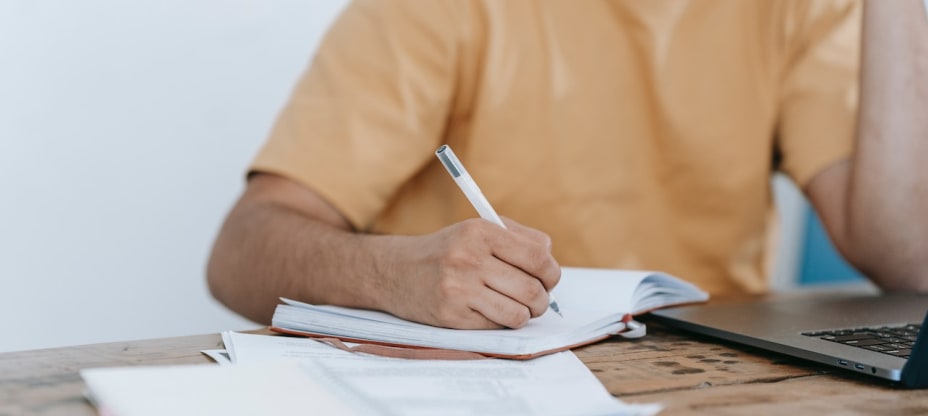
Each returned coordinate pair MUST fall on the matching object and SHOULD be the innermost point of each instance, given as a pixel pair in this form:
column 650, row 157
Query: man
column 635, row 134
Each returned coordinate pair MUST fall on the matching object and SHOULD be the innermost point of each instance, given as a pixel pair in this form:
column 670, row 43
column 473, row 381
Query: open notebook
column 596, row 303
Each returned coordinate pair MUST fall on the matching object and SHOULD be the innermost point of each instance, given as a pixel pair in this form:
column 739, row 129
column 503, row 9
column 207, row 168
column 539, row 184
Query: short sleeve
column 371, row 109
column 818, row 97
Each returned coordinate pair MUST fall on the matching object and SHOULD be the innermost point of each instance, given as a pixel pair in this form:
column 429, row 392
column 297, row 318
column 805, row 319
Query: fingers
column 486, row 276
column 532, row 233
column 501, row 293
column 501, row 309
column 519, row 287
column 527, row 249
column 478, row 306
column 525, row 270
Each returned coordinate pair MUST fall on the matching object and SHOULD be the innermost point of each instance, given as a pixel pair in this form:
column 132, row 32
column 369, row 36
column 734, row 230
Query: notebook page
column 546, row 332
column 605, row 290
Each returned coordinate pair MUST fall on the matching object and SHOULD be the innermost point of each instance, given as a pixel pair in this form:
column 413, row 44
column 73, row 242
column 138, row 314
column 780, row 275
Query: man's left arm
column 875, row 204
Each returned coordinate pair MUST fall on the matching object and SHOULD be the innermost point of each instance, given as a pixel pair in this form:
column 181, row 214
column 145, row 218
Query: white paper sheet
column 269, row 389
column 559, row 384
column 256, row 349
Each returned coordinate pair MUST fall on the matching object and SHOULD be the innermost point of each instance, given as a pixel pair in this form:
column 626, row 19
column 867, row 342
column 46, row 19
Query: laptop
column 876, row 335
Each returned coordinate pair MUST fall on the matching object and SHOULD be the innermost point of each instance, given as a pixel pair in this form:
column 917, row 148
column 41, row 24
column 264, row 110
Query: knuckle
column 538, row 260
column 513, row 316
column 458, row 258
column 536, row 236
column 449, row 287
column 538, row 308
column 465, row 247
column 473, row 228
column 537, row 300
column 540, row 263
column 544, row 239
column 534, row 291
column 520, row 317
column 548, row 272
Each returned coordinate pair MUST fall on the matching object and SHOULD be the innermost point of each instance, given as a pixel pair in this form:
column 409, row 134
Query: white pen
column 476, row 198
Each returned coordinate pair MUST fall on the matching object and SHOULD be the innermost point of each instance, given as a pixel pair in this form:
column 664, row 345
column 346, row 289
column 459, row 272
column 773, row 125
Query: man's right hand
column 284, row 240
column 470, row 275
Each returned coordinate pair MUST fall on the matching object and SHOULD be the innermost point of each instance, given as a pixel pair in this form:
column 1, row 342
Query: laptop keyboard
column 896, row 341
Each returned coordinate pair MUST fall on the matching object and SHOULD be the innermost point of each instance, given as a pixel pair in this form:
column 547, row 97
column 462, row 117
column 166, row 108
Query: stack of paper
column 274, row 374
column 258, row 349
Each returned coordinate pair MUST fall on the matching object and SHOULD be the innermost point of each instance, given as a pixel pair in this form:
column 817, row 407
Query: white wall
column 125, row 129
column 791, row 208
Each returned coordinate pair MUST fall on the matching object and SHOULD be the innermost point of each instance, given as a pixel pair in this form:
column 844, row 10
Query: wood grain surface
column 689, row 374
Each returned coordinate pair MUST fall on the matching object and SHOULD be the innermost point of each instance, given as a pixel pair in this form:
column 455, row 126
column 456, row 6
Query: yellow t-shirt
column 637, row 134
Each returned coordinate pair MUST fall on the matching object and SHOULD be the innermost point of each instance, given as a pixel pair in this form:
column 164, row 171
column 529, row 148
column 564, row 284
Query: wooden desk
column 689, row 374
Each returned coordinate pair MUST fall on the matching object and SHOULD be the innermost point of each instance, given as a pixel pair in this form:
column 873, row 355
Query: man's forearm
column 266, row 251
column 887, row 227
column 284, row 240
